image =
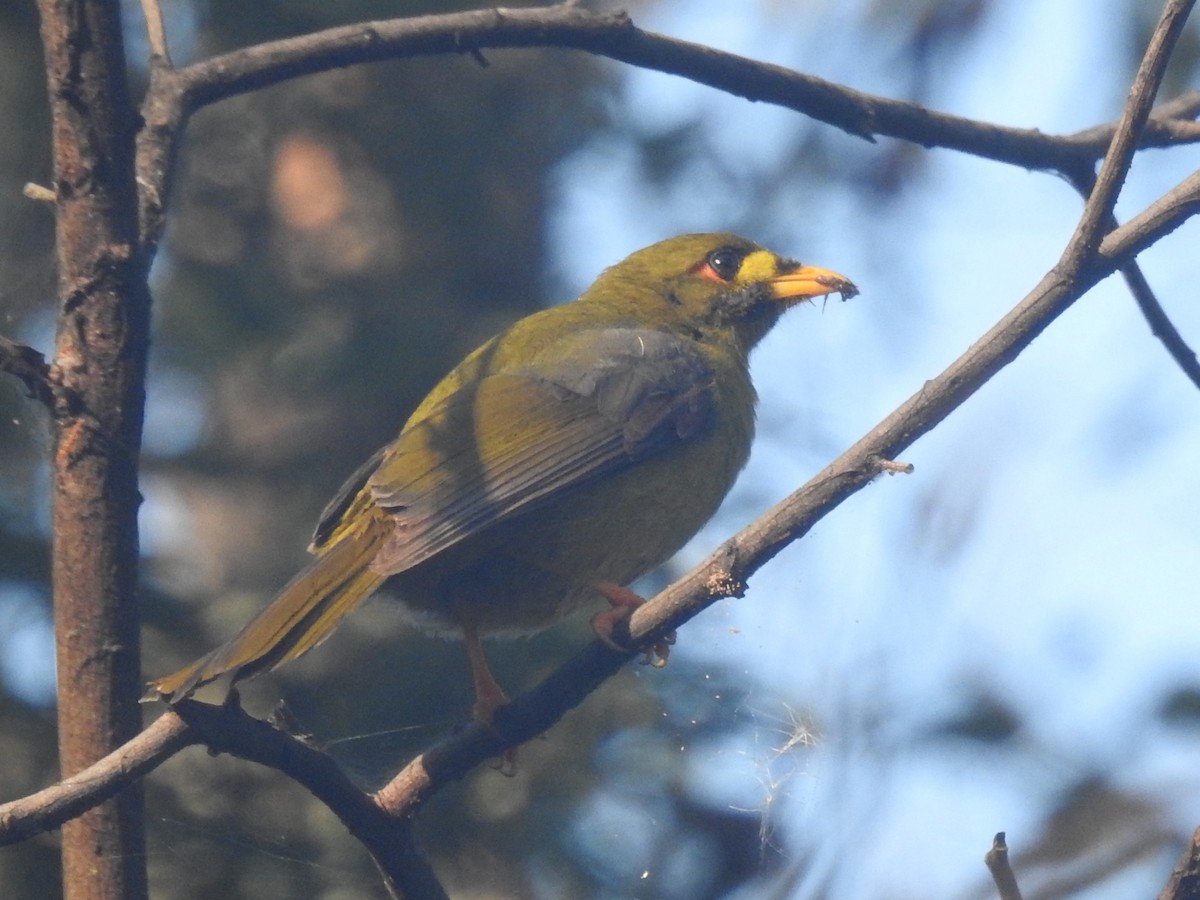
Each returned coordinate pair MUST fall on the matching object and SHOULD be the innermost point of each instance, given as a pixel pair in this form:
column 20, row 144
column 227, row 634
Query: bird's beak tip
column 805, row 282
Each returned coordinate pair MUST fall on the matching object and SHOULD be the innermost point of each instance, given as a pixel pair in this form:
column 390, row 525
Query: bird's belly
column 526, row 573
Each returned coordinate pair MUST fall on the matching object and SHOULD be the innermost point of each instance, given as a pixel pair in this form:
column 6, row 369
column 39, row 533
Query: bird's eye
column 723, row 264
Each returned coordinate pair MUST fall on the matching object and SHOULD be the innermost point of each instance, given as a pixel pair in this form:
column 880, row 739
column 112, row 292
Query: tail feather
column 303, row 614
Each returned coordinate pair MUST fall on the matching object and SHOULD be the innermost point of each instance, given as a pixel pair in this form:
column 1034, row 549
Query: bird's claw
column 606, row 622
column 656, row 653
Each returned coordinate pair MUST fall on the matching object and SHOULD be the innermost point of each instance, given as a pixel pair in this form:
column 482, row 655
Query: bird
column 567, row 456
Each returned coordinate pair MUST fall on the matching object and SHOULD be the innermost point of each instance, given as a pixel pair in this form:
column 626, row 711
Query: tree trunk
column 100, row 365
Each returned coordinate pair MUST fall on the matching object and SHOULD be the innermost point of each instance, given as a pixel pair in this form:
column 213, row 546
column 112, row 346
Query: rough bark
column 98, row 375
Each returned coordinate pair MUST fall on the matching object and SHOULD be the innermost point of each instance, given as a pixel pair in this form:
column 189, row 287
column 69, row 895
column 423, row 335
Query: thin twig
column 1169, row 123
column 38, row 192
column 51, row 807
column 1152, row 311
column 30, row 366
column 1160, row 323
column 1099, row 209
column 996, row 859
column 1098, row 214
column 156, row 33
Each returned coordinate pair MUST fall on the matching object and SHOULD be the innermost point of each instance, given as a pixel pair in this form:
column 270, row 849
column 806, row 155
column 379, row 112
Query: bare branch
column 1099, row 208
column 156, row 33
column 996, row 859
column 1170, row 123
column 1099, row 211
column 615, row 36
column 388, row 838
column 1184, row 883
column 39, row 192
column 1152, row 311
column 30, row 366
column 228, row 729
column 51, row 807
column 175, row 94
column 1160, row 323
column 1156, row 221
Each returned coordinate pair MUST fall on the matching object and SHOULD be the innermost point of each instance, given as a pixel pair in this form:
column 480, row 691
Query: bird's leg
column 623, row 602
column 489, row 696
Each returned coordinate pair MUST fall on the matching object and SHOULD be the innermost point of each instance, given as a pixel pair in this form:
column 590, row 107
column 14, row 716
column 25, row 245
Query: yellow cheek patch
column 758, row 266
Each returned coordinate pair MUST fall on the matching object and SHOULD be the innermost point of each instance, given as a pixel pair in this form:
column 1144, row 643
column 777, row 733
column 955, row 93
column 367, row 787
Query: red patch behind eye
column 704, row 269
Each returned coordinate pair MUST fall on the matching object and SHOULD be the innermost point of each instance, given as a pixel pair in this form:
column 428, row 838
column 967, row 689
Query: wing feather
column 510, row 442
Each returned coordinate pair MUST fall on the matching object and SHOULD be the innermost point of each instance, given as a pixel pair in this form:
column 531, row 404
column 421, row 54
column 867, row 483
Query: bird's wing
column 509, row 442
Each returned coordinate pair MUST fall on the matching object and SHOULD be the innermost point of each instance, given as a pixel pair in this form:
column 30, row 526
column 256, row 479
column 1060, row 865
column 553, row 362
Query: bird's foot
column 606, row 623
column 489, row 697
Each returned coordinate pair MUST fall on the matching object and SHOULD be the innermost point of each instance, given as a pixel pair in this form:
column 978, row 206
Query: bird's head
column 713, row 285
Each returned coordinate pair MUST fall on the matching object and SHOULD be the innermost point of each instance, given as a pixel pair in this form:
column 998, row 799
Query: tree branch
column 996, row 860
column 31, row 367
column 1160, row 323
column 1152, row 311
column 1170, row 123
column 1102, row 190
column 175, row 94
column 1099, row 209
column 615, row 36
column 1184, row 883
column 156, row 33
column 59, row 803
column 388, row 838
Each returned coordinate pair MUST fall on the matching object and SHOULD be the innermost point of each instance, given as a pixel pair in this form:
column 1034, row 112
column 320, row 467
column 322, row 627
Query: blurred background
column 1004, row 640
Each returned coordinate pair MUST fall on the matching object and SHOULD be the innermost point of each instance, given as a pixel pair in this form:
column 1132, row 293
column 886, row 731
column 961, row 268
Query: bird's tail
column 303, row 614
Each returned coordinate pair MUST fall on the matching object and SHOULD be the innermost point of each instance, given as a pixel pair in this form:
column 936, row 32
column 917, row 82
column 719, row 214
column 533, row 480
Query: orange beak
column 809, row 281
